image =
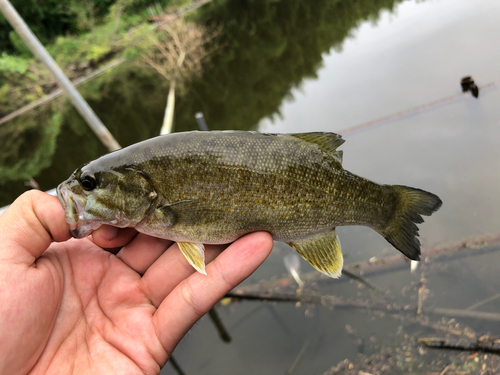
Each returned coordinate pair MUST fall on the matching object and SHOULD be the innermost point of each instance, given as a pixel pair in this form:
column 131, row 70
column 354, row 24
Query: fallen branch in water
column 398, row 261
column 490, row 346
column 480, row 303
column 464, row 314
column 221, row 330
column 325, row 300
column 378, row 266
column 333, row 301
column 451, row 330
column 176, row 365
column 404, row 313
column 423, row 293
column 359, row 279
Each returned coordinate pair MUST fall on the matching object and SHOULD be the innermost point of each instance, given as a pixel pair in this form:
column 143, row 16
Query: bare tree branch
column 162, row 50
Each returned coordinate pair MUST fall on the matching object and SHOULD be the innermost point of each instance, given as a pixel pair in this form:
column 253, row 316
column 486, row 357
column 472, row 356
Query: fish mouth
column 74, row 210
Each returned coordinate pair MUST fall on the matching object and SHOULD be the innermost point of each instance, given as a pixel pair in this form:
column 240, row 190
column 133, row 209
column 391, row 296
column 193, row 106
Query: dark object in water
column 474, row 91
column 468, row 84
column 483, row 344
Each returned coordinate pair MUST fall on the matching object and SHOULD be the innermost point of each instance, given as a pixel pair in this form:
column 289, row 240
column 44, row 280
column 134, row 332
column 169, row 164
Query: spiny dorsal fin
column 322, row 252
column 327, row 142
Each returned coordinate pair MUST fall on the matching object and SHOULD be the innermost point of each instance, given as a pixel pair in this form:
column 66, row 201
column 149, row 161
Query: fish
column 213, row 187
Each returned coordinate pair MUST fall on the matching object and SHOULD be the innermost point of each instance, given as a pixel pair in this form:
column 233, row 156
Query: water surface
column 298, row 66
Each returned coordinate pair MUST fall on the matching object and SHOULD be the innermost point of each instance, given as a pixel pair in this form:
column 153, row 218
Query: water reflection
column 415, row 56
column 268, row 48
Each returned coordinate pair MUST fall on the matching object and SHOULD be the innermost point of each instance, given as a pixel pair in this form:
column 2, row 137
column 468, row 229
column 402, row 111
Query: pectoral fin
column 187, row 212
column 322, row 252
column 171, row 212
column 195, row 254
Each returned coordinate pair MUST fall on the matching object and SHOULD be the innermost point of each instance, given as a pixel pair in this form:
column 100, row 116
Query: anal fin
column 195, row 254
column 322, row 252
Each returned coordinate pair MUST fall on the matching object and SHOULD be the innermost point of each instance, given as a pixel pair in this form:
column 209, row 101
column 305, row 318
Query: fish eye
column 88, row 182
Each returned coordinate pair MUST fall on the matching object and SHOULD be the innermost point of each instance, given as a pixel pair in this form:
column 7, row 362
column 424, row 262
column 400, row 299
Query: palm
column 105, row 312
column 75, row 308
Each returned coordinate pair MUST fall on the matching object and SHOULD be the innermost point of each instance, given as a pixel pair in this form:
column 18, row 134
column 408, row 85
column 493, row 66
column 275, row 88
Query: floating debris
column 483, row 344
column 468, row 84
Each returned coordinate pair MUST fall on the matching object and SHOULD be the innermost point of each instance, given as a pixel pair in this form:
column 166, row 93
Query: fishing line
column 410, row 111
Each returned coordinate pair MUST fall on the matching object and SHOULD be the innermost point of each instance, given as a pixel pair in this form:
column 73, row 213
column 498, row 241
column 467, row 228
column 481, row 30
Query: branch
column 383, row 265
column 477, row 346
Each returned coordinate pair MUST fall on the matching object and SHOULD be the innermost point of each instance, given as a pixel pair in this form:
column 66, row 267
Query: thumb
column 29, row 225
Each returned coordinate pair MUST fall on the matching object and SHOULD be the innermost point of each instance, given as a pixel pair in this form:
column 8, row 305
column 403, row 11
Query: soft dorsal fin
column 327, row 142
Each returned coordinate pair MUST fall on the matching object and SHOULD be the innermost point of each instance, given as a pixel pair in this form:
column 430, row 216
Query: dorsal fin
column 327, row 142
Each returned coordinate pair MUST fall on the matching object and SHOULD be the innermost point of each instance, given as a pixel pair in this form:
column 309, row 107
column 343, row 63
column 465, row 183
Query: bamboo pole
column 41, row 53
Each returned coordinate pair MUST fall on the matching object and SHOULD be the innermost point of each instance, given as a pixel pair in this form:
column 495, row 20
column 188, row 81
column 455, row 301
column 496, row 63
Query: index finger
column 30, row 224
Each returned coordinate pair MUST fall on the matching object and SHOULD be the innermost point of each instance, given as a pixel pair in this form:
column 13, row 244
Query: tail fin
column 402, row 231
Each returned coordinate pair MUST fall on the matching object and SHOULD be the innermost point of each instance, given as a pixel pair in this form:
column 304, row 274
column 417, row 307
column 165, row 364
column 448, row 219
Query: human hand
column 70, row 307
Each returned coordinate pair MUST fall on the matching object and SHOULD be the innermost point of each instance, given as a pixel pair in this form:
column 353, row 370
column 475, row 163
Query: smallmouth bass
column 213, row 187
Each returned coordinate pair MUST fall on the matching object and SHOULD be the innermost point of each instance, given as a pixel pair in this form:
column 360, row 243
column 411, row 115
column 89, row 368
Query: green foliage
column 140, row 40
column 80, row 50
column 139, row 6
column 113, row 95
column 50, row 19
column 269, row 48
column 13, row 64
column 21, row 77
column 110, row 96
column 46, row 19
column 28, row 147
column 21, row 81
column 66, row 49
column 20, row 47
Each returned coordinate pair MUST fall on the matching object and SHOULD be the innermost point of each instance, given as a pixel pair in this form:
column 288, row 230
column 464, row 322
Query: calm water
column 291, row 66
